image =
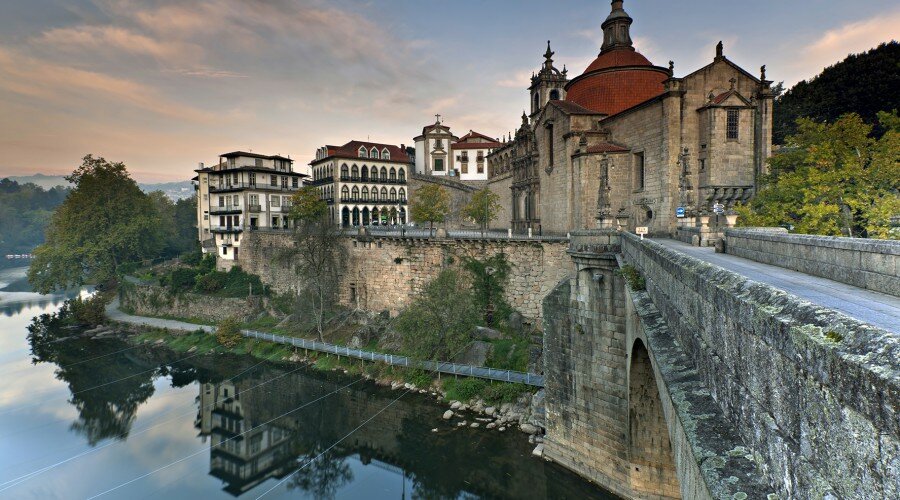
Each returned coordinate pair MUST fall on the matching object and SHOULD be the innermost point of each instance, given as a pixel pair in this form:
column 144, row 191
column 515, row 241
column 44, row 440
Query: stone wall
column 385, row 273
column 460, row 195
column 149, row 300
column 501, row 185
column 872, row 264
column 814, row 393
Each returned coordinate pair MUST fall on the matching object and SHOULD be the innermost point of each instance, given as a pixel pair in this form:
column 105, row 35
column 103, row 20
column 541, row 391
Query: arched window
column 345, row 193
column 384, row 174
column 354, row 172
column 384, row 195
column 385, row 154
column 402, row 174
column 355, row 193
column 365, row 193
column 374, row 153
column 365, row 173
column 363, row 153
column 554, row 95
column 345, row 172
column 402, row 194
column 393, row 194
column 393, row 174
column 375, row 216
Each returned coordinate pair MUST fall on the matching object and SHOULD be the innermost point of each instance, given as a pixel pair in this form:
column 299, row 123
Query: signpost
column 679, row 212
column 718, row 209
column 641, row 230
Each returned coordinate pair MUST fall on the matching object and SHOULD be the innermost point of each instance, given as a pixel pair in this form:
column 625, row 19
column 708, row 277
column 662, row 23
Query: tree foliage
column 862, row 83
column 483, row 207
column 316, row 256
column 833, row 179
column 439, row 322
column 488, row 280
column 104, row 222
column 430, row 204
column 25, row 212
column 228, row 332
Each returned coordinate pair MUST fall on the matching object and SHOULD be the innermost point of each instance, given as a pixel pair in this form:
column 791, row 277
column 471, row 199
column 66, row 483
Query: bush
column 182, row 279
column 90, row 311
column 503, row 392
column 464, row 389
column 228, row 332
column 634, row 278
column 192, row 258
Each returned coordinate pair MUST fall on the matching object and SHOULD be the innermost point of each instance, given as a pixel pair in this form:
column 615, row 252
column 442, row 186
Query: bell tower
column 548, row 84
column 617, row 29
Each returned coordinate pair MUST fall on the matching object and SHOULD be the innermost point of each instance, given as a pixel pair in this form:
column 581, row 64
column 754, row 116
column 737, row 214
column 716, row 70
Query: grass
column 465, row 389
column 510, row 354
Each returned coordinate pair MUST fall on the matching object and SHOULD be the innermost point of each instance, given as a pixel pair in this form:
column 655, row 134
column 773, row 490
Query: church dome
column 620, row 77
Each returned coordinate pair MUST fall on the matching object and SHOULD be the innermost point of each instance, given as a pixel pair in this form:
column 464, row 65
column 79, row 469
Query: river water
column 100, row 417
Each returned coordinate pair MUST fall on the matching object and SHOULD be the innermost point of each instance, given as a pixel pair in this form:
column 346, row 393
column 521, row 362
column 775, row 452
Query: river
column 101, row 417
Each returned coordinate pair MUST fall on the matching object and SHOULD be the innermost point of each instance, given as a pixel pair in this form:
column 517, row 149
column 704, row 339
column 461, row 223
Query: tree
column 430, row 204
column 439, row 322
column 104, row 222
column 228, row 332
column 483, row 207
column 862, row 83
column 316, row 256
column 25, row 212
column 833, row 179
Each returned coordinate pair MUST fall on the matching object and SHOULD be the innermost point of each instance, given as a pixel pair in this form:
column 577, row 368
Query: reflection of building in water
column 243, row 453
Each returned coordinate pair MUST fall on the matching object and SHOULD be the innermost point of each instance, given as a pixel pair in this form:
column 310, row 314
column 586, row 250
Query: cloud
column 111, row 38
column 834, row 45
column 518, row 80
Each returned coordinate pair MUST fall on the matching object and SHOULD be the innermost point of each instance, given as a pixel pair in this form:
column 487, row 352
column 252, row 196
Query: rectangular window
column 276, row 201
column 702, row 164
column 273, row 181
column 481, row 168
column 222, row 201
column 231, row 162
column 251, row 178
column 464, row 167
column 254, row 199
column 234, row 177
column 639, row 171
column 731, row 128
column 550, row 144
column 295, row 182
column 258, row 162
column 274, row 222
column 284, row 183
column 438, row 164
column 236, row 200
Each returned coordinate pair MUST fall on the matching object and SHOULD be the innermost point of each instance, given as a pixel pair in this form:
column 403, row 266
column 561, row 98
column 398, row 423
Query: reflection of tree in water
column 321, row 477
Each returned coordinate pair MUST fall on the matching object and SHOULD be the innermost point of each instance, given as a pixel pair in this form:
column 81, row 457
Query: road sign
column 641, row 230
column 719, row 208
column 679, row 212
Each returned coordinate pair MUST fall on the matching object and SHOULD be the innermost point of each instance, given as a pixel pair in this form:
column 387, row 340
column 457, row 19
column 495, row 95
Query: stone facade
column 384, row 274
column 866, row 263
column 460, row 195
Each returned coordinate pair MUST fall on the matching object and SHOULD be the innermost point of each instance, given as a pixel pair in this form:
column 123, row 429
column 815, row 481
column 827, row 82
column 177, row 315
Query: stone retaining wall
column 872, row 264
column 157, row 301
column 815, row 394
column 385, row 273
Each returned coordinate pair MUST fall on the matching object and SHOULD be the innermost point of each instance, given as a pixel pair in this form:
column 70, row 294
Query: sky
column 164, row 84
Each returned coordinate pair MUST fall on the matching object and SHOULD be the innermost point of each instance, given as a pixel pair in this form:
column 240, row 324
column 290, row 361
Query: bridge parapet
column 815, row 394
column 862, row 262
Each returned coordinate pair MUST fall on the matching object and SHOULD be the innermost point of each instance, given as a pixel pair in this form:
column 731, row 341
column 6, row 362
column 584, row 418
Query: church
column 628, row 144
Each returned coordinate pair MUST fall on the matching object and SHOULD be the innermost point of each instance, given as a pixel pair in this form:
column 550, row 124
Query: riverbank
column 470, row 402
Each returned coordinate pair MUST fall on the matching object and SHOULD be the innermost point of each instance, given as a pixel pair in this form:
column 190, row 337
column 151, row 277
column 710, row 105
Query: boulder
column 448, row 415
column 529, row 429
column 474, row 425
column 490, row 410
column 455, row 405
column 476, row 354
column 485, row 333
column 538, row 450
column 516, row 322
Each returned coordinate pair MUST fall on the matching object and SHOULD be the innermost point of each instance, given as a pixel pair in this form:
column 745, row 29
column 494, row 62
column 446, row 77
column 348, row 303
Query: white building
column 364, row 183
column 244, row 191
column 440, row 153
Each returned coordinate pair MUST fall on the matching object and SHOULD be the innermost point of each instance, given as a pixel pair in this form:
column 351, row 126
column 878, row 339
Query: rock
column 516, row 322
column 478, row 408
column 463, row 407
column 448, row 415
column 531, row 438
column 484, row 333
column 434, row 430
column 490, row 410
column 355, row 342
column 474, row 425
column 461, row 424
column 491, row 425
column 501, row 429
column 528, row 429
column 455, row 405
column 192, row 349
column 476, row 353
column 538, row 450
column 504, row 408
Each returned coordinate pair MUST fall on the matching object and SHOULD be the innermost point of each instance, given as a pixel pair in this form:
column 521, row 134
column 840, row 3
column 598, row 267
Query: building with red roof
column 627, row 143
column 442, row 154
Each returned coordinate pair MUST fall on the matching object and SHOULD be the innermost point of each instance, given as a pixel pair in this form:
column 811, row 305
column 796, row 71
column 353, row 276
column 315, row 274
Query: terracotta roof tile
column 607, row 147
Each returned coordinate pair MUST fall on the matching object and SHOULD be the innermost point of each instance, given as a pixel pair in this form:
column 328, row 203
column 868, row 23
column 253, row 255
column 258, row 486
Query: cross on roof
column 437, row 117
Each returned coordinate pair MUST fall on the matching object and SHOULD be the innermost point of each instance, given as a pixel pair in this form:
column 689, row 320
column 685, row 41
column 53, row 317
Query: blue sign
column 679, row 212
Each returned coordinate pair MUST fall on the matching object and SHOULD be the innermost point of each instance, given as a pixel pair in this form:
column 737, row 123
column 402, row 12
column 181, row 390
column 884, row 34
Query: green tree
column 25, row 212
column 488, row 280
column 316, row 256
column 439, row 322
column 430, row 204
column 105, row 221
column 228, row 332
column 483, row 207
column 833, row 179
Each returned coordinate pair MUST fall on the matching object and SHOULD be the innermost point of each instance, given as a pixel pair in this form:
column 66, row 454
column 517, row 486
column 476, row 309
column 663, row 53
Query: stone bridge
column 670, row 377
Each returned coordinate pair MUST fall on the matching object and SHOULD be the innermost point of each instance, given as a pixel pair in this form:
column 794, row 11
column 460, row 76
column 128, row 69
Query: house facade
column 243, row 191
column 364, row 183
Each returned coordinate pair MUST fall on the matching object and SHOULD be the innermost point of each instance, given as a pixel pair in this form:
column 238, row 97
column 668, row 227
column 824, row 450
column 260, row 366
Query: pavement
column 113, row 313
column 877, row 309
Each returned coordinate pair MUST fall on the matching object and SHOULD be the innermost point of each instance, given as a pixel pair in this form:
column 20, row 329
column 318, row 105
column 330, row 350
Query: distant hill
column 863, row 83
column 174, row 190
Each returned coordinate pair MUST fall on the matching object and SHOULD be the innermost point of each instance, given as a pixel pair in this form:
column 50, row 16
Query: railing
column 246, row 185
column 226, row 229
column 374, row 180
column 397, row 360
column 224, row 208
column 379, row 200
column 463, row 234
column 256, row 208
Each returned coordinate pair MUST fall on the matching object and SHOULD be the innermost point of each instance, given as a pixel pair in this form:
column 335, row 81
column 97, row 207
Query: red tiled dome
column 617, row 80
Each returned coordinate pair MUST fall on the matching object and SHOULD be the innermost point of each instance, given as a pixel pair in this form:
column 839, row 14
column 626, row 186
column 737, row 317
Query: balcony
column 226, row 209
column 238, row 186
column 255, row 208
column 226, row 229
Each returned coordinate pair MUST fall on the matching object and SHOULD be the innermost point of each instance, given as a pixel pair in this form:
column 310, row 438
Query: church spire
column 616, row 28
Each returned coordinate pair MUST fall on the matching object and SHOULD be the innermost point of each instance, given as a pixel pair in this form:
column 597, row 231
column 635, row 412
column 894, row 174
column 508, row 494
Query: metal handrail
column 530, row 379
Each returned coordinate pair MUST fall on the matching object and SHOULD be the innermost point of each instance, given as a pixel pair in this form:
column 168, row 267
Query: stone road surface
column 877, row 309
column 113, row 313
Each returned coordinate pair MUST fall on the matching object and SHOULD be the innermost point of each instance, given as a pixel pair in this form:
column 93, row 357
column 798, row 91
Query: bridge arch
column 652, row 466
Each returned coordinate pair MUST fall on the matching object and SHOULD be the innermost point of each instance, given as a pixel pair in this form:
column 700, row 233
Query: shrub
column 634, row 278
column 228, row 332
column 503, row 392
column 464, row 389
column 90, row 311
column 192, row 259
column 182, row 279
